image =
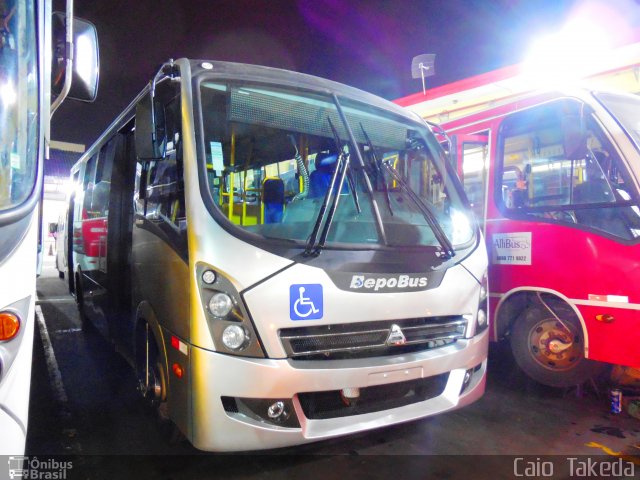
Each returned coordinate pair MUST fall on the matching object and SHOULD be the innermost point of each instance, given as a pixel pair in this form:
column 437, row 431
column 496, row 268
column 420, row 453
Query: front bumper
column 215, row 375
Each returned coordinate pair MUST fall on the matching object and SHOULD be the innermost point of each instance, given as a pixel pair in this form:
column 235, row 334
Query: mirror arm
column 68, row 71
column 160, row 74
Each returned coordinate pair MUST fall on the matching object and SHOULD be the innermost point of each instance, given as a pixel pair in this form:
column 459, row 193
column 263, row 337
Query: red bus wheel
column 551, row 351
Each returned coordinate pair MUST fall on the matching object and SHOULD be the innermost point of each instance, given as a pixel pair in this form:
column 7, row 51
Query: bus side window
column 165, row 201
column 88, row 183
column 102, row 184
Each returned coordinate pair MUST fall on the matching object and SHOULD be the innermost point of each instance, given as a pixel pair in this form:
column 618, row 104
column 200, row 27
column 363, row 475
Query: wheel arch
column 515, row 301
column 146, row 315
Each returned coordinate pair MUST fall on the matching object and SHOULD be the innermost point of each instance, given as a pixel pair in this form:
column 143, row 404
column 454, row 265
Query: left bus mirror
column 84, row 80
column 150, row 133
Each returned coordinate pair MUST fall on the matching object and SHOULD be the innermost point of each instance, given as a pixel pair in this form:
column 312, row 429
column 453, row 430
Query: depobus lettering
column 385, row 283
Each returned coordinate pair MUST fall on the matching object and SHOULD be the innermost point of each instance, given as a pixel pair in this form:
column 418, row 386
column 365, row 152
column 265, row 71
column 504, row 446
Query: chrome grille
column 368, row 339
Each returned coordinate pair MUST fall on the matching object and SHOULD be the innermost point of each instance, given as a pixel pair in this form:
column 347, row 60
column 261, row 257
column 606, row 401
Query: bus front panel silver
column 221, row 375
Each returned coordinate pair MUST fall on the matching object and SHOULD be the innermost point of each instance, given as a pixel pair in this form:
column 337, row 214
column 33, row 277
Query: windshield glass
column 18, row 103
column 626, row 108
column 273, row 155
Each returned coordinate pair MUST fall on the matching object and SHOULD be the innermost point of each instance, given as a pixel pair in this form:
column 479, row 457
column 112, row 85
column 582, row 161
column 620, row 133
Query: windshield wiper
column 432, row 220
column 331, row 195
column 362, row 169
column 350, row 179
column 378, row 169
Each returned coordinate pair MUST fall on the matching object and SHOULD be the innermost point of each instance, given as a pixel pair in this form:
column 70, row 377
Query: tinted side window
column 102, row 184
column 88, row 182
column 159, row 186
column 164, row 181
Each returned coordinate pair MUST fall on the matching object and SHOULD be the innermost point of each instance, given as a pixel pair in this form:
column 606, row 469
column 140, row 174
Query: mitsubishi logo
column 396, row 337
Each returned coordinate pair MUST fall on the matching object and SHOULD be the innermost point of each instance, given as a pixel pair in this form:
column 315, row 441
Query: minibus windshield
column 626, row 108
column 18, row 105
column 326, row 171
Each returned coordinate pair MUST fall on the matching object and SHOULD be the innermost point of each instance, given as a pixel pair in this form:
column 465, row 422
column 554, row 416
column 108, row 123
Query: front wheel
column 85, row 323
column 546, row 351
column 149, row 371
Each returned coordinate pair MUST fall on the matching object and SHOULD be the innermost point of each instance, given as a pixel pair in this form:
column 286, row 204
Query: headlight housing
column 482, row 316
column 227, row 317
column 13, row 326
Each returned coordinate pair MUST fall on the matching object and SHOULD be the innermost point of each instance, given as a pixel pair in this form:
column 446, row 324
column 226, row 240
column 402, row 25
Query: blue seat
column 273, row 199
column 320, row 178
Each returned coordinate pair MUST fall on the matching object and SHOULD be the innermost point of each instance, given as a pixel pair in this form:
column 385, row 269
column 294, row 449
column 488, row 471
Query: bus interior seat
column 273, row 199
column 320, row 178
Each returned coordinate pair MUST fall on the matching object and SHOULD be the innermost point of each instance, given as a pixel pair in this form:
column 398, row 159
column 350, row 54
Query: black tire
column 534, row 336
column 156, row 383
column 154, row 399
column 60, row 272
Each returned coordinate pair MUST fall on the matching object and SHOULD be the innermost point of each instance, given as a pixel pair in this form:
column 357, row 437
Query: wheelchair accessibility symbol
column 305, row 301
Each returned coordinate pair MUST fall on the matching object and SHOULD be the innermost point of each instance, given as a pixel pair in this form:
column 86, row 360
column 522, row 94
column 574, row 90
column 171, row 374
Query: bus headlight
column 220, row 304
column 235, row 337
column 226, row 315
column 482, row 317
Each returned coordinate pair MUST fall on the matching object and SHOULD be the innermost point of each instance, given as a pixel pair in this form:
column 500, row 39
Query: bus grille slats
column 368, row 339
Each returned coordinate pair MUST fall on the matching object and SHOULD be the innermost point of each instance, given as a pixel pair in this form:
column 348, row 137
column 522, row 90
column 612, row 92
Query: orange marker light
column 605, row 318
column 177, row 370
column 9, row 326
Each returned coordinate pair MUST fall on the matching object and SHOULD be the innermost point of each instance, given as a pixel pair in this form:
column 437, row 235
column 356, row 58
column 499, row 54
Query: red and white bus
column 554, row 178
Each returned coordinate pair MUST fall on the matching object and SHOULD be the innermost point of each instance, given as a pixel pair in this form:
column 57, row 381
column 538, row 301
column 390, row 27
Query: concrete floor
column 102, row 424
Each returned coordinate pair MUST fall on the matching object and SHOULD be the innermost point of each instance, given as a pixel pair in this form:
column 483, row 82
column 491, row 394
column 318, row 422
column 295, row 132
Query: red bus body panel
column 586, row 269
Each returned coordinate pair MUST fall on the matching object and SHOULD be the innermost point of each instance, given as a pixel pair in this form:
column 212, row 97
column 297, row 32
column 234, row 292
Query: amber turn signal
column 177, row 370
column 9, row 326
column 605, row 318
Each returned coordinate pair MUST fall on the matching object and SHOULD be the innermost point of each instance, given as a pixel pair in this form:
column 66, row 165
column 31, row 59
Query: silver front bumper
column 215, row 375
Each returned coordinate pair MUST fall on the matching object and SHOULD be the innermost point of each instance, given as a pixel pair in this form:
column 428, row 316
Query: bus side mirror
column 150, row 133
column 84, row 79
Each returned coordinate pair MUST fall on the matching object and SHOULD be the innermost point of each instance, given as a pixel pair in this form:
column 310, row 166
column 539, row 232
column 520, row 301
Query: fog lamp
column 220, row 304
column 278, row 411
column 235, row 337
column 467, row 380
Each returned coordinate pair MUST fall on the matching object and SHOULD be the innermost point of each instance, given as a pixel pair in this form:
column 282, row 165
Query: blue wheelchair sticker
column 305, row 301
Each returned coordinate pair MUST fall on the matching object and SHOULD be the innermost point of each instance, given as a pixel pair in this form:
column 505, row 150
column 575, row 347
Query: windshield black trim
column 604, row 105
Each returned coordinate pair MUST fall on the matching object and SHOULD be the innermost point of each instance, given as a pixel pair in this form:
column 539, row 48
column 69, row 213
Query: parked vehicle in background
column 26, row 57
column 61, row 242
column 554, row 177
column 282, row 258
